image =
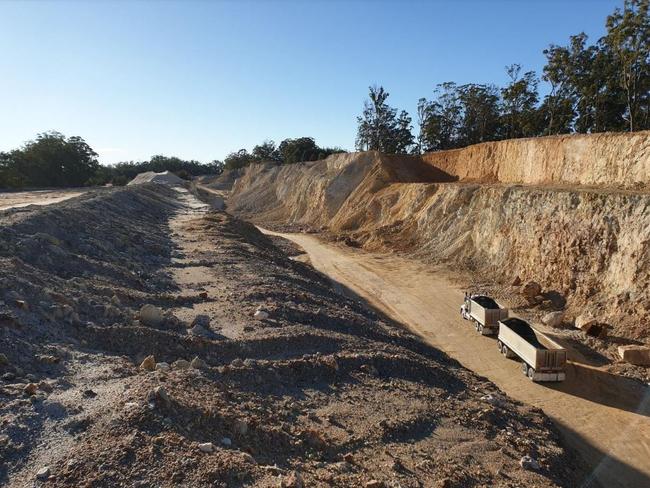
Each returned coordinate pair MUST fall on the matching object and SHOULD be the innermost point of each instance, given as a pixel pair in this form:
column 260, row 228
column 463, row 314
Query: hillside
column 518, row 211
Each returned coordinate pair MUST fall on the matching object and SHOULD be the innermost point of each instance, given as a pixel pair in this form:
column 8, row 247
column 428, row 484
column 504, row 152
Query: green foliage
column 289, row 151
column 380, row 128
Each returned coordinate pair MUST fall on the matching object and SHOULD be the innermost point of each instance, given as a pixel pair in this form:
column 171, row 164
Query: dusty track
column 607, row 418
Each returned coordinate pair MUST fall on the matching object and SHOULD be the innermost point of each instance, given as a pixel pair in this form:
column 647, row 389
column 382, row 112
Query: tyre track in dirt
column 605, row 417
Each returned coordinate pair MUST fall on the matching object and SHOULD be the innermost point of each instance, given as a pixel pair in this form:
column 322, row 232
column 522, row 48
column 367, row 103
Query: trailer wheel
column 531, row 374
column 480, row 329
column 499, row 345
column 524, row 368
column 504, row 350
column 477, row 326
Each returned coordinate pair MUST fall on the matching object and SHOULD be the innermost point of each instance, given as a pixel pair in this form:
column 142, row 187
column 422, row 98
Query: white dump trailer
column 484, row 312
column 542, row 359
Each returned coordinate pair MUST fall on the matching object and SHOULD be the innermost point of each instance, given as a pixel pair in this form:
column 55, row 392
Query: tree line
column 591, row 88
column 289, row 151
column 54, row 160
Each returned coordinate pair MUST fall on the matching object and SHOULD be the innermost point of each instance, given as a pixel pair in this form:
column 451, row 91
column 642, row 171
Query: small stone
column 249, row 328
column 198, row 363
column 22, row 304
column 43, row 473
column 528, row 462
column 160, row 395
column 203, row 295
column 260, row 315
column 180, row 364
column 3, row 360
column 237, row 363
column 226, row 441
column 203, row 320
column 163, row 367
column 373, row 484
column 151, row 315
column 293, row 480
column 206, row 447
column 45, row 386
column 516, row 281
column 348, row 458
column 88, row 393
column 553, row 319
column 149, row 363
column 30, row 388
column 241, row 427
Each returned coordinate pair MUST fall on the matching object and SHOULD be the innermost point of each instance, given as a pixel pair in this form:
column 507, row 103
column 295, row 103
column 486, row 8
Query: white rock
column 260, row 315
column 206, row 447
column 43, row 473
column 151, row 315
column 553, row 319
column 163, row 366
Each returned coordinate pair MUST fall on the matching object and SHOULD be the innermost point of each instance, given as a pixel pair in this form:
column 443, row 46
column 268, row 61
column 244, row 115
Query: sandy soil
column 37, row 197
column 605, row 417
column 318, row 391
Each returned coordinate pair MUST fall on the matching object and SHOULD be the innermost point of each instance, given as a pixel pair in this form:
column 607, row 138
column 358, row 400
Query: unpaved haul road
column 605, row 417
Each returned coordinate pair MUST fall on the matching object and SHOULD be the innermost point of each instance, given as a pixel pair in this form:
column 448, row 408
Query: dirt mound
column 620, row 160
column 587, row 246
column 289, row 382
column 164, row 178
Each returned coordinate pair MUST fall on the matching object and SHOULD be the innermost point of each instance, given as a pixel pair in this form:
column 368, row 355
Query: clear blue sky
column 201, row 79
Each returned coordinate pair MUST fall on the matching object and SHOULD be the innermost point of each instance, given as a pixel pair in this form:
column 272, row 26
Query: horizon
column 183, row 79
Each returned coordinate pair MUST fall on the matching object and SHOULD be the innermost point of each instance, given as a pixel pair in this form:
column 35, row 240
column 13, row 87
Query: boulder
column 181, row 364
column 148, row 364
column 260, row 315
column 528, row 462
column 43, row 473
column 151, row 315
column 585, row 322
column 30, row 388
column 635, row 354
column 201, row 320
column 553, row 319
column 531, row 290
column 207, row 447
column 163, row 366
column 198, row 363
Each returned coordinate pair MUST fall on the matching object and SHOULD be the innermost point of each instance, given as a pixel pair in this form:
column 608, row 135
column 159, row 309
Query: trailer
column 484, row 312
column 542, row 359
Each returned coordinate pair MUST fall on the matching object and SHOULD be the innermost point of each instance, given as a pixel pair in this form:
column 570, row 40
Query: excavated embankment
column 312, row 390
column 589, row 246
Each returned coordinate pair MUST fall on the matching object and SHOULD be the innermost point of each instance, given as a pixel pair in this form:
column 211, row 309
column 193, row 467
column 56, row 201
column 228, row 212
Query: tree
column 238, row 159
column 628, row 39
column 267, row 152
column 380, row 128
column 480, row 109
column 519, row 104
column 51, row 160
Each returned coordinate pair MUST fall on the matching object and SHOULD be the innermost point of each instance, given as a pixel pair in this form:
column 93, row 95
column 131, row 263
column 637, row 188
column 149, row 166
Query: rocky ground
column 147, row 341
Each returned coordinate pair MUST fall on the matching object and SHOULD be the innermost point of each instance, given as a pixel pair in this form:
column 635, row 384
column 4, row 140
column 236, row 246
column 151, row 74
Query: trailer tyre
column 531, row 374
column 477, row 326
column 504, row 350
column 499, row 345
column 524, row 368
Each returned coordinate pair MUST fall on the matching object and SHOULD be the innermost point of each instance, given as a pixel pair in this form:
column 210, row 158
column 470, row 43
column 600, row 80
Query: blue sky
column 201, row 79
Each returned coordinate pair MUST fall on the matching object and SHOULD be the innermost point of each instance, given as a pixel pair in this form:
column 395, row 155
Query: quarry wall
column 590, row 244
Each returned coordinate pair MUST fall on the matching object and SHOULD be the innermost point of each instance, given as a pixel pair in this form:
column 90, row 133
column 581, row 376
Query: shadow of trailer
column 542, row 359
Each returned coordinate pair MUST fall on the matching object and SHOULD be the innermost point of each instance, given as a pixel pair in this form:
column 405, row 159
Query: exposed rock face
column 609, row 159
column 586, row 244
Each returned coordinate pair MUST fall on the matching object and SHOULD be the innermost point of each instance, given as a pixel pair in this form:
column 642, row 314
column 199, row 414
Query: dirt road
column 605, row 417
